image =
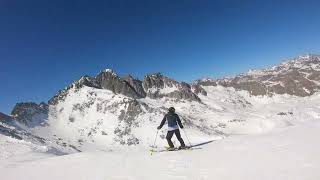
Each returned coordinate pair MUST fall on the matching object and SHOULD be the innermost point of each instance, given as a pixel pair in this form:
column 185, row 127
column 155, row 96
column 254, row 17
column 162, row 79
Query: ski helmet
column 171, row 109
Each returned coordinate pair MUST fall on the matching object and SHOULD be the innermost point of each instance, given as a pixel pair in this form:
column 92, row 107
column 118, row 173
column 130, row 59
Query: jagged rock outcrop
column 4, row 117
column 299, row 76
column 88, row 81
column 197, row 89
column 128, row 117
column 83, row 81
column 30, row 114
column 106, row 79
column 136, row 85
column 158, row 86
column 111, row 81
column 153, row 86
column 206, row 82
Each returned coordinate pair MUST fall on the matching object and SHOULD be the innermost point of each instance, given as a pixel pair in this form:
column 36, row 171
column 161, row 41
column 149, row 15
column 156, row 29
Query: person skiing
column 173, row 122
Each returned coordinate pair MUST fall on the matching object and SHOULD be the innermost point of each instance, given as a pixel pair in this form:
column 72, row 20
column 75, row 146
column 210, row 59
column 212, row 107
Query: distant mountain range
column 108, row 111
column 299, row 76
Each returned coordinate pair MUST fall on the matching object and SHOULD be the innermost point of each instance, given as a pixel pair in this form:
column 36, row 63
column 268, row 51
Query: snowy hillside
column 291, row 153
column 92, row 118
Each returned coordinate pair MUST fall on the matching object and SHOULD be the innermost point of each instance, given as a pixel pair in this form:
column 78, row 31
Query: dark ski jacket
column 172, row 118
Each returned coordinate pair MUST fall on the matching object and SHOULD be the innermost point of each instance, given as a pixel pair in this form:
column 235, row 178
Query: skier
column 173, row 121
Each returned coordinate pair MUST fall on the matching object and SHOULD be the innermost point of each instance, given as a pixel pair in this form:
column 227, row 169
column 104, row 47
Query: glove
column 181, row 127
column 158, row 127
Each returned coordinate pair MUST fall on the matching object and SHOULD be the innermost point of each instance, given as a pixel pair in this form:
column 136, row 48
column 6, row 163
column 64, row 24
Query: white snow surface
column 255, row 137
column 290, row 153
column 14, row 152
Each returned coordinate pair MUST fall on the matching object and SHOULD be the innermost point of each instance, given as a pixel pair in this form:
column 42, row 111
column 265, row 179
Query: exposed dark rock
column 71, row 119
column 184, row 94
column 88, row 81
column 10, row 132
column 282, row 114
column 299, row 77
column 153, row 84
column 4, row 117
column 10, row 129
column 206, row 82
column 31, row 114
column 136, row 84
column 236, row 120
column 133, row 88
column 129, row 115
column 254, row 88
column 83, row 81
column 109, row 80
column 133, row 141
column 197, row 89
column 156, row 81
column 294, row 83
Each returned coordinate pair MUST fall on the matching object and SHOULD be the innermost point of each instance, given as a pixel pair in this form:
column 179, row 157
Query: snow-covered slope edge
column 15, row 151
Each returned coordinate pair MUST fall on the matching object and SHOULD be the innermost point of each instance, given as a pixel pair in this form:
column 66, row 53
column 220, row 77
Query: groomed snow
column 290, row 153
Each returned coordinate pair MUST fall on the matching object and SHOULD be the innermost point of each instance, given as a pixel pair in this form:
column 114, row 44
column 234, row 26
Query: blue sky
column 45, row 45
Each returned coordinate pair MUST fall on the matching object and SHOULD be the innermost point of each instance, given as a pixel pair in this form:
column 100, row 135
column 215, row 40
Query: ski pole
column 155, row 139
column 186, row 136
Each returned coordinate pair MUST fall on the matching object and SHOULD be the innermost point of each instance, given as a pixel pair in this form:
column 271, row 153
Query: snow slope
column 290, row 153
column 90, row 119
column 14, row 151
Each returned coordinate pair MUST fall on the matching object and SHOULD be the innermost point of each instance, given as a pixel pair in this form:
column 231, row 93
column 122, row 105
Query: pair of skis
column 187, row 148
column 191, row 147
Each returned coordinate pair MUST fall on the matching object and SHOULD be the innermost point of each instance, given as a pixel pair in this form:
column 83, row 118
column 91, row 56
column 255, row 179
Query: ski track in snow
column 290, row 153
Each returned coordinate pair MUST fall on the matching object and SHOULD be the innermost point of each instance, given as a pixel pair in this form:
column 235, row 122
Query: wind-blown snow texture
column 264, row 125
column 291, row 153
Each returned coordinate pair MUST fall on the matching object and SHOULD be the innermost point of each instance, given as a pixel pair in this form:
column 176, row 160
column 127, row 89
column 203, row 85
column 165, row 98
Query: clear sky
column 45, row 45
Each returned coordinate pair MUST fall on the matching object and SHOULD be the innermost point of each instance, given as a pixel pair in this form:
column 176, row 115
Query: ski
column 191, row 147
column 175, row 149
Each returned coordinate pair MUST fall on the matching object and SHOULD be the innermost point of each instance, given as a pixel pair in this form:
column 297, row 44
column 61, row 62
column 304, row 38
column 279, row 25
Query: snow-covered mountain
column 108, row 111
column 270, row 115
column 299, row 76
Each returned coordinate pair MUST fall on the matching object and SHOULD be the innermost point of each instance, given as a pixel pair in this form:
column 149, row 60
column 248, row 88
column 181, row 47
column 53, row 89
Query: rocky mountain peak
column 136, row 84
column 299, row 76
column 88, row 81
column 308, row 57
column 158, row 86
column 30, row 113
column 4, row 117
column 110, row 80
column 110, row 71
column 156, row 80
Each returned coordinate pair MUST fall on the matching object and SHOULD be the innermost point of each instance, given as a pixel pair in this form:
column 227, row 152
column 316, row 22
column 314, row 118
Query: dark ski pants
column 178, row 135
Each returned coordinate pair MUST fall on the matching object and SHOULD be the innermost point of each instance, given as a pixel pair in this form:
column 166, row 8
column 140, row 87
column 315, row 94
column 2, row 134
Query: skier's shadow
column 203, row 143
